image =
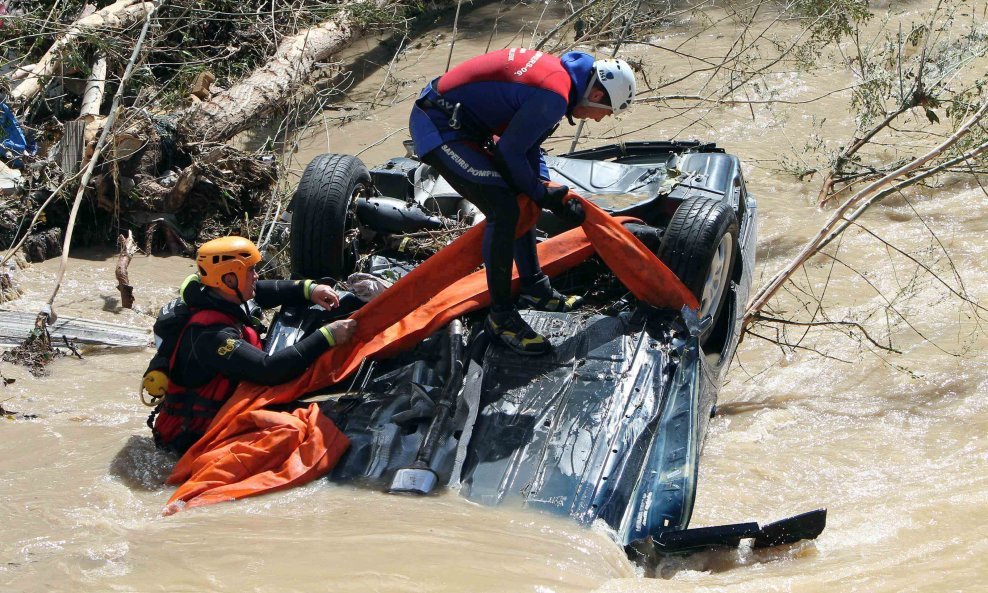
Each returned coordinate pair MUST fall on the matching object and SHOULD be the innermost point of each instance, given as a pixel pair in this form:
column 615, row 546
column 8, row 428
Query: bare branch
column 855, row 325
column 813, row 246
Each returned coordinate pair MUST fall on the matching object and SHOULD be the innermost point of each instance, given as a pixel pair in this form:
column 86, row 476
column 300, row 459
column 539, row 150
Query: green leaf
column 932, row 116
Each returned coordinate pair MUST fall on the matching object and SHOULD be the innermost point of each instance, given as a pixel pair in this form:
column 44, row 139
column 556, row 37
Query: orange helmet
column 226, row 255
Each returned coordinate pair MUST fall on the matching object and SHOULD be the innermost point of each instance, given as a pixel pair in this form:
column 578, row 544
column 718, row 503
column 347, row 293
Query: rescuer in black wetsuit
column 219, row 344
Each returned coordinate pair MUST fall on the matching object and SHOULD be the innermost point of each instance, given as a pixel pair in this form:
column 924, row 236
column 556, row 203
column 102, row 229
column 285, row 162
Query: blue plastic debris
column 13, row 144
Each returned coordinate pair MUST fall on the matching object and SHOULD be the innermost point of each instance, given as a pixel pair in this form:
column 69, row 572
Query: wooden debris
column 118, row 14
column 239, row 107
column 92, row 98
column 176, row 244
column 183, row 187
column 127, row 250
column 73, row 143
column 202, row 84
column 36, row 351
column 71, row 348
column 14, row 325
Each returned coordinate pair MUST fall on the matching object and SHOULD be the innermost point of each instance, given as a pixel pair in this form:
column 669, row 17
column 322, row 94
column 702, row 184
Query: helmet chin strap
column 592, row 104
column 243, row 301
column 586, row 102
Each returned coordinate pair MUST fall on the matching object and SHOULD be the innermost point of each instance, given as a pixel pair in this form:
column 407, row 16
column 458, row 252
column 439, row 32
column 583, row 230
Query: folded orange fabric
column 269, row 451
column 239, row 456
column 640, row 270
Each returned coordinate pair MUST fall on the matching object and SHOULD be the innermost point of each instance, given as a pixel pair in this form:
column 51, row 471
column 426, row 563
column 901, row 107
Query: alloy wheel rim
column 717, row 278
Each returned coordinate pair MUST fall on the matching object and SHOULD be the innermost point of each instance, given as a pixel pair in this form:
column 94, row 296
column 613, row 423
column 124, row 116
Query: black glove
column 570, row 212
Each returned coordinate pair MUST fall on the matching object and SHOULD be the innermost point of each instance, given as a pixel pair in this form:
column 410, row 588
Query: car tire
column 323, row 215
column 700, row 246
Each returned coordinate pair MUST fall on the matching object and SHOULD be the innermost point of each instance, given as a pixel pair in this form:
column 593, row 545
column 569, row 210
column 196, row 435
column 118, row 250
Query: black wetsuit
column 206, row 351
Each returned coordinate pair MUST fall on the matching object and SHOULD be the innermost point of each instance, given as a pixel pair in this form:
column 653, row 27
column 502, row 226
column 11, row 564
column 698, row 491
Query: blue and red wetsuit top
column 518, row 95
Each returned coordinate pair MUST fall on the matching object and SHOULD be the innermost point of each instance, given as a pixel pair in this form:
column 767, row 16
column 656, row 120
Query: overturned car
column 610, row 425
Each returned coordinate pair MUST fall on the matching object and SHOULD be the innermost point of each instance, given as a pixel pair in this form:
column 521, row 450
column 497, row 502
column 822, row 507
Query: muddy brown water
column 896, row 446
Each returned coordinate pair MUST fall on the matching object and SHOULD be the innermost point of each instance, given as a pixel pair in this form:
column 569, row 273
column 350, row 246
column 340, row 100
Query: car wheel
column 324, row 217
column 700, row 246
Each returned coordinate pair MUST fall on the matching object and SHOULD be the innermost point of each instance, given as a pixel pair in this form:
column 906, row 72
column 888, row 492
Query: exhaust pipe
column 418, row 478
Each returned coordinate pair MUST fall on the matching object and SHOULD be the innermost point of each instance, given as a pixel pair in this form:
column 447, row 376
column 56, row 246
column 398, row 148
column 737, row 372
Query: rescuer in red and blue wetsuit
column 481, row 125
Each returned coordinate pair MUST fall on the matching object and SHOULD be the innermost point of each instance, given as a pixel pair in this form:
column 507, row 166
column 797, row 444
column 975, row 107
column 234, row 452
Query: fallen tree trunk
column 236, row 109
column 119, row 14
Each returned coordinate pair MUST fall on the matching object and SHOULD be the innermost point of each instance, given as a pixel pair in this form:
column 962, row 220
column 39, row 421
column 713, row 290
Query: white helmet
column 618, row 80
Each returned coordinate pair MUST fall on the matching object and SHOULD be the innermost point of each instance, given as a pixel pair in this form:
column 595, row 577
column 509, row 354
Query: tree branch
column 814, row 245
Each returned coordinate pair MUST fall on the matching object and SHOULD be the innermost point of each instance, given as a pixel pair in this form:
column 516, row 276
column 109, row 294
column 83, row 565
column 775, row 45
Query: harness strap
column 460, row 117
column 183, row 404
column 463, row 120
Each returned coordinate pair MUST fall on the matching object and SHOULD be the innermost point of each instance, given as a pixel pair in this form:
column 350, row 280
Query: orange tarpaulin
column 248, row 451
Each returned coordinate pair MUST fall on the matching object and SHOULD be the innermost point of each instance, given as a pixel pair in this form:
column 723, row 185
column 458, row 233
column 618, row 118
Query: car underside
column 607, row 427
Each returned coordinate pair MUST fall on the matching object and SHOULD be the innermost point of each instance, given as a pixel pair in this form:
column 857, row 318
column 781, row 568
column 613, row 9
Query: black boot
column 540, row 295
column 513, row 332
